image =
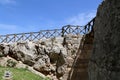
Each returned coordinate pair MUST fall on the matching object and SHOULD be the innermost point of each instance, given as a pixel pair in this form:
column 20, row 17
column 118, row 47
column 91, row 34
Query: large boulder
column 24, row 51
column 43, row 65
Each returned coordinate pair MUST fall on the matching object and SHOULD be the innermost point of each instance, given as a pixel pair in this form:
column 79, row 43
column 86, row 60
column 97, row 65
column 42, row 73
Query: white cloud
column 82, row 18
column 4, row 2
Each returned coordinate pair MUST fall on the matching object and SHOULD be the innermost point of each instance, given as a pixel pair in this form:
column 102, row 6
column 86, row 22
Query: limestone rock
column 4, row 49
column 43, row 65
column 48, row 56
column 24, row 52
column 21, row 65
column 7, row 62
column 105, row 58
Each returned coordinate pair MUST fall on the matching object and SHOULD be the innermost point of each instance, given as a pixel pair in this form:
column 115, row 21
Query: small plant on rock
column 11, row 63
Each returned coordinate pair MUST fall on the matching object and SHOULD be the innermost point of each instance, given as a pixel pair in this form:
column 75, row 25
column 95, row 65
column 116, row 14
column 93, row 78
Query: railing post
column 68, row 27
column 63, row 31
column 30, row 38
column 77, row 28
column 88, row 27
column 14, row 37
column 85, row 29
column 7, row 38
column 93, row 24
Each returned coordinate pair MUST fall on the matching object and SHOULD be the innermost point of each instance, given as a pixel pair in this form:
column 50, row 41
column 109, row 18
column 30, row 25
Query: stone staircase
column 79, row 69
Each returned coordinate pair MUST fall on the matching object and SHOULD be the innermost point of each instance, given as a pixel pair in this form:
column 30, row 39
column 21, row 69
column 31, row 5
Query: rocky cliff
column 51, row 57
column 105, row 59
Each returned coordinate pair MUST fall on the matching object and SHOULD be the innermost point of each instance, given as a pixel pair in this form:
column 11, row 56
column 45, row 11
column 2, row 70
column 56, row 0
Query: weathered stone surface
column 21, row 65
column 48, row 56
column 7, row 61
column 4, row 49
column 24, row 51
column 71, row 42
column 43, row 65
column 105, row 58
column 79, row 69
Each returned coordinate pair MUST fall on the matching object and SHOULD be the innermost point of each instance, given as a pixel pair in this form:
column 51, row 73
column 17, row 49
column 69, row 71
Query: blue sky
column 18, row 16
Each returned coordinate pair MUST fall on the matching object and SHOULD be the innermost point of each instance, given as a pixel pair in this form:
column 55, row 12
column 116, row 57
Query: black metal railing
column 34, row 36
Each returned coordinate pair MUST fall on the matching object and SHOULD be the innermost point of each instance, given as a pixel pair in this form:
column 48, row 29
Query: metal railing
column 34, row 36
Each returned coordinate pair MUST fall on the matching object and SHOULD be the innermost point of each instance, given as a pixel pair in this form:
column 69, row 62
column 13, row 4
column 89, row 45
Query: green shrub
column 11, row 63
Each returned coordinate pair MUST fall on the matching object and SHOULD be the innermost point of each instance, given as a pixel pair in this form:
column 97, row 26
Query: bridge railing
column 34, row 36
column 31, row 36
column 78, row 29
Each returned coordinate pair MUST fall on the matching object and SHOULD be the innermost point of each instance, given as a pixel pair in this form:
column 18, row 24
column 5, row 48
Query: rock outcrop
column 52, row 57
column 105, row 58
